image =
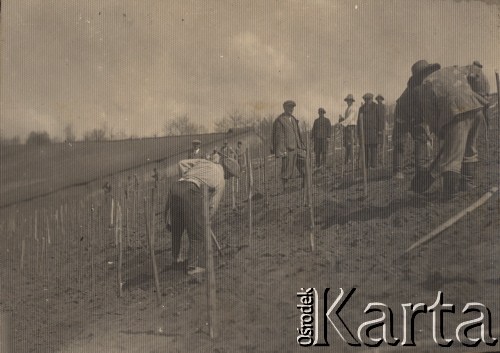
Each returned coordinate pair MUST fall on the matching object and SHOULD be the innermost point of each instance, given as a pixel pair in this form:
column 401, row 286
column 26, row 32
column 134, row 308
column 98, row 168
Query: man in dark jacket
column 453, row 111
column 408, row 120
column 287, row 143
column 321, row 132
column 373, row 129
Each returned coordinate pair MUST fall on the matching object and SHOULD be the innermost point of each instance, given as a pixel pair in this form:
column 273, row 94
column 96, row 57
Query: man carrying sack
column 185, row 204
column 453, row 111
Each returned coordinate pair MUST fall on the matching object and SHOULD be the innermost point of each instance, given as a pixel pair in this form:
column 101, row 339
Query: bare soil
column 70, row 303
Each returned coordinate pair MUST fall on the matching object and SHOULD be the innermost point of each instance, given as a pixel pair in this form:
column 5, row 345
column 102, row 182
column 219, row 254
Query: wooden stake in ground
column 61, row 219
column 112, row 212
column 91, row 250
column 211, row 287
column 453, row 219
column 35, row 230
column 233, row 196
column 23, row 250
column 362, row 153
column 250, row 190
column 119, row 228
column 6, row 331
column 333, row 152
column 497, row 78
column 48, row 229
column 276, row 179
column 150, row 236
column 264, row 183
column 153, row 213
column 308, row 187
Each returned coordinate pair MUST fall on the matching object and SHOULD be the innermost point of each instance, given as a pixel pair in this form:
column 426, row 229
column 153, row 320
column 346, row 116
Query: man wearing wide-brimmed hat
column 408, row 120
column 373, row 129
column 321, row 132
column 196, row 150
column 453, row 111
column 184, row 204
column 288, row 144
column 349, row 121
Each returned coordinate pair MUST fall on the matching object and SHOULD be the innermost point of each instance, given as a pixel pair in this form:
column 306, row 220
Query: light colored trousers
column 459, row 143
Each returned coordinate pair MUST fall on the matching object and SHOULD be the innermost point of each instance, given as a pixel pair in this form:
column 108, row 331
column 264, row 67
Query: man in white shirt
column 349, row 121
column 185, row 203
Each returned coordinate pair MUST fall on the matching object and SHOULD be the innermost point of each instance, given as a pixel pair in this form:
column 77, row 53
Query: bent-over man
column 185, row 203
column 453, row 111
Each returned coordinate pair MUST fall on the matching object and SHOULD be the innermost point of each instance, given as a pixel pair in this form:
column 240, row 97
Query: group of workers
column 448, row 102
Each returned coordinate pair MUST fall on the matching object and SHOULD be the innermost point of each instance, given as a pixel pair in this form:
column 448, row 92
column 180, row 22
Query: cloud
column 134, row 65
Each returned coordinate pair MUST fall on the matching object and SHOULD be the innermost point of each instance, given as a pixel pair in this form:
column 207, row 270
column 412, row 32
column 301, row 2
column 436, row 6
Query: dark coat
column 286, row 134
column 322, row 128
column 373, row 123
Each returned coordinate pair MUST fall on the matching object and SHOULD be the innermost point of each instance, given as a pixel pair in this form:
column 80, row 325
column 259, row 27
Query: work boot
column 421, row 182
column 469, row 174
column 451, row 183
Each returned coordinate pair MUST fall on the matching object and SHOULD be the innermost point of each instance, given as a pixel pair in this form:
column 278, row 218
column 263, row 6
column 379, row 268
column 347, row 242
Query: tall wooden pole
column 497, row 78
column 211, row 287
column 119, row 232
column 333, row 152
column 250, row 190
column 150, row 236
column 233, row 196
column 363, row 156
column 308, row 187
column 264, row 183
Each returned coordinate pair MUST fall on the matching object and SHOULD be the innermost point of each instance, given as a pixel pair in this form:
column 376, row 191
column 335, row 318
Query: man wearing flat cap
column 373, row 129
column 288, row 144
column 185, row 205
column 195, row 152
column 453, row 111
column 349, row 121
column 321, row 132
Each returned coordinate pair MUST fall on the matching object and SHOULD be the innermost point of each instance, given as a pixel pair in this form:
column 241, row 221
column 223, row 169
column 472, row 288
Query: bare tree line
column 179, row 125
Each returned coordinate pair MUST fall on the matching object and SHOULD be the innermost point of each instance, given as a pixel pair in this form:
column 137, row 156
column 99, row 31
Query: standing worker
column 195, row 153
column 185, row 205
column 373, row 129
column 321, row 132
column 288, row 144
column 349, row 121
column 226, row 150
column 241, row 156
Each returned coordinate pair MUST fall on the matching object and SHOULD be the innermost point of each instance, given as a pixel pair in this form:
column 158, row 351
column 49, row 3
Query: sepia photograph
column 235, row 176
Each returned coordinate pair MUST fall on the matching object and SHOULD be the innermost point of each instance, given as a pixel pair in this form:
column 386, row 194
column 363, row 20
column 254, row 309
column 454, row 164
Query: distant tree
column 69, row 133
column 16, row 140
column 182, row 125
column 95, row 135
column 232, row 120
column 38, row 138
column 5, row 141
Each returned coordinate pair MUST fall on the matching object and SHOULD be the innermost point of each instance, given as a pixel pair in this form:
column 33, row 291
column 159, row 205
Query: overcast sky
column 133, row 64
